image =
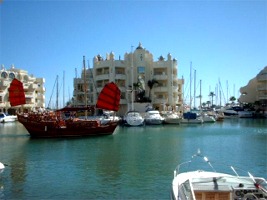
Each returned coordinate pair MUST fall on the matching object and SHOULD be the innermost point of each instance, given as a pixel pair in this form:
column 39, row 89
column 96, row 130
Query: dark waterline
column 133, row 163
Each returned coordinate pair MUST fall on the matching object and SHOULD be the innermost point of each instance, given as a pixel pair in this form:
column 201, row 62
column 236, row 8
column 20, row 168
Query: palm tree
column 208, row 102
column 212, row 94
column 150, row 84
column 232, row 99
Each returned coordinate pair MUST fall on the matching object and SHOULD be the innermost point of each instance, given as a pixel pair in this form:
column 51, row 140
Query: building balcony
column 41, row 89
column 161, row 77
column 40, row 104
column 4, row 84
column 102, row 77
column 30, row 101
column 29, row 95
column 40, row 97
column 262, row 88
column 262, row 77
column 120, row 76
column 33, row 86
column 159, row 101
column 160, row 89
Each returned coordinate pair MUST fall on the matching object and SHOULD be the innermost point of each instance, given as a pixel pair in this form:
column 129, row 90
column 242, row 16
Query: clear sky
column 224, row 40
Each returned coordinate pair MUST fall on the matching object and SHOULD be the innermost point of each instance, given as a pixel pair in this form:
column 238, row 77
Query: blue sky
column 224, row 40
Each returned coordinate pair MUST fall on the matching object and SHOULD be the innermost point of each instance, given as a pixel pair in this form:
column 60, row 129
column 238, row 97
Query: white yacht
column 171, row 117
column 7, row 118
column 153, row 117
column 199, row 184
column 133, row 118
column 207, row 118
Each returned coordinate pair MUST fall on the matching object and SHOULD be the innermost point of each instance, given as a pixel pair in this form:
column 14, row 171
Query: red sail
column 109, row 97
column 16, row 93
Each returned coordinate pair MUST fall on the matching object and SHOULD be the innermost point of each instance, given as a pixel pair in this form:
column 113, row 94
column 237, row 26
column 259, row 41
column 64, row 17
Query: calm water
column 134, row 163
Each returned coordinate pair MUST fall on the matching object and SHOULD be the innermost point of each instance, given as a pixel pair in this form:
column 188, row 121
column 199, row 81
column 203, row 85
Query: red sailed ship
column 55, row 124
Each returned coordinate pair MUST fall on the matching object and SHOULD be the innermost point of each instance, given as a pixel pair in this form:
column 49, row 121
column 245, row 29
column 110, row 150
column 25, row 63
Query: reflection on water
column 135, row 160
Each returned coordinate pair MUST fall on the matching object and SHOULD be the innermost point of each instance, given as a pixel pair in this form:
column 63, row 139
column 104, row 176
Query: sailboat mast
column 57, row 94
column 194, row 89
column 63, row 88
column 200, row 96
column 190, row 85
column 132, row 77
column 85, row 88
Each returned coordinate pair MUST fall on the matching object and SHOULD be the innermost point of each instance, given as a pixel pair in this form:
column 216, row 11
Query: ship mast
column 132, row 78
column 85, row 88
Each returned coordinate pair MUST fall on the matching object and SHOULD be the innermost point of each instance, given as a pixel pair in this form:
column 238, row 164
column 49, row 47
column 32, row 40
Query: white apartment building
column 33, row 88
column 256, row 89
column 133, row 74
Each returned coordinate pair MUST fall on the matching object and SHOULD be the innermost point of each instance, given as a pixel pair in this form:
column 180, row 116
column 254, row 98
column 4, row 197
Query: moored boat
column 171, row 117
column 7, row 118
column 133, row 118
column 2, row 167
column 191, row 118
column 55, row 124
column 153, row 117
column 198, row 184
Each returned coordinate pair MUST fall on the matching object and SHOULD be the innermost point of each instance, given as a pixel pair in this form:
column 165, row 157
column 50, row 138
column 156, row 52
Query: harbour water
column 133, row 163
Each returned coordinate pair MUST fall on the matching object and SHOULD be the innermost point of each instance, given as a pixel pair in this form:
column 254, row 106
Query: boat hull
column 67, row 128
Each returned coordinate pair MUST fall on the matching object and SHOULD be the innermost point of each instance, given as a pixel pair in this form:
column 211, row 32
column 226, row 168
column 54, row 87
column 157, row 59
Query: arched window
column 4, row 75
column 11, row 75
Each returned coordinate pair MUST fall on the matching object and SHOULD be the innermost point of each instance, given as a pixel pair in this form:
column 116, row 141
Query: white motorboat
column 108, row 116
column 153, row 117
column 199, row 184
column 2, row 167
column 133, row 118
column 207, row 118
column 7, row 118
column 171, row 117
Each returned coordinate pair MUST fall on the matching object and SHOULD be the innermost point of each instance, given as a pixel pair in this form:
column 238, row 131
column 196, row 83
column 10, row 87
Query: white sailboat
column 190, row 117
column 133, row 117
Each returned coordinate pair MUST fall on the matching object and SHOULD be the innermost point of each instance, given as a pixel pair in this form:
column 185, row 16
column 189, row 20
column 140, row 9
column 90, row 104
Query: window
column 4, row 75
column 11, row 75
column 141, row 70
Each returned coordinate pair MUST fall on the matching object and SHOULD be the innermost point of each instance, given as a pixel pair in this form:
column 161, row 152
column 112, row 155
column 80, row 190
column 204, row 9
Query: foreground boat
column 2, row 167
column 55, row 124
column 212, row 185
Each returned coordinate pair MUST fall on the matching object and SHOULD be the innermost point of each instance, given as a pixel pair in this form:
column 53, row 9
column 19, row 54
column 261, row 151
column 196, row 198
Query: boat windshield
column 186, row 191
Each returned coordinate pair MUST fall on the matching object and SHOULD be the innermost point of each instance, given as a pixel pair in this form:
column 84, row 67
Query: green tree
column 232, row 99
column 208, row 102
column 150, row 85
column 212, row 94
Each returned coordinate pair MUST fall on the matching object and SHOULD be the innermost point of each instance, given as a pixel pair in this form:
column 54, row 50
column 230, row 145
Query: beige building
column 133, row 74
column 256, row 89
column 33, row 88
